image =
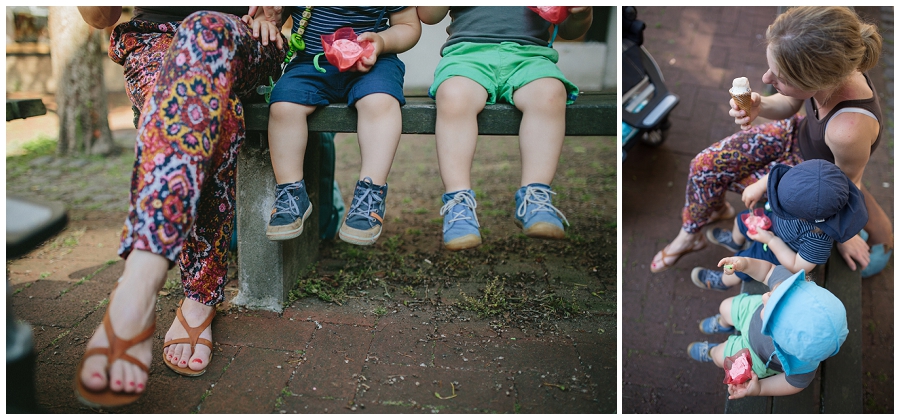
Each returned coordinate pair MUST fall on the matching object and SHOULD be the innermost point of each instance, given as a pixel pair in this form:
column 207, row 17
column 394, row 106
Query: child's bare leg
column 287, row 140
column 731, row 280
column 736, row 234
column 543, row 128
column 725, row 313
column 378, row 128
column 717, row 354
column 459, row 100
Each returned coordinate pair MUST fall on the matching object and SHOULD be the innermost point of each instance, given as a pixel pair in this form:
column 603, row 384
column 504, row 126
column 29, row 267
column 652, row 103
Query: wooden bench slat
column 24, row 108
column 593, row 114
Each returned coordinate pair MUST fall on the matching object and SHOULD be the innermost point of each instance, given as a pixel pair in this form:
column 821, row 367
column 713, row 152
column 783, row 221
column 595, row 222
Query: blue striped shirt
column 326, row 20
column 804, row 238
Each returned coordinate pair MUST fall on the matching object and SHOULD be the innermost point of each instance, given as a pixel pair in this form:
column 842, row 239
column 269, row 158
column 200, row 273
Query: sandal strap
column 118, row 347
column 193, row 333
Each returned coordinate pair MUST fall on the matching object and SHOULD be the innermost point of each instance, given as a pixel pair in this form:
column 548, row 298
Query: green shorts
column 743, row 307
column 500, row 68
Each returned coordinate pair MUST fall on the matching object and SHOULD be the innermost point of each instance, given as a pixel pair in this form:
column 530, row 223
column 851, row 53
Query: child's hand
column 364, row 64
column 753, row 193
column 577, row 10
column 761, row 236
column 750, row 388
column 732, row 264
column 265, row 24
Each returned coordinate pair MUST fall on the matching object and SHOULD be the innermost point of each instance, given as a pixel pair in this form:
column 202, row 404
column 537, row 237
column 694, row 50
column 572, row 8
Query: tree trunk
column 77, row 52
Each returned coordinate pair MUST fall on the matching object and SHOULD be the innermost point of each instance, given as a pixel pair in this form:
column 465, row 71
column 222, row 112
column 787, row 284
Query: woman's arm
column 850, row 137
column 775, row 107
column 100, row 16
column 578, row 22
column 431, row 15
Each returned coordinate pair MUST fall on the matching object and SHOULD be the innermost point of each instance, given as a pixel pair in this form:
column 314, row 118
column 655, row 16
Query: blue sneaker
column 708, row 279
column 878, row 258
column 460, row 221
column 291, row 209
column 711, row 325
column 366, row 214
column 724, row 238
column 536, row 215
column 699, row 351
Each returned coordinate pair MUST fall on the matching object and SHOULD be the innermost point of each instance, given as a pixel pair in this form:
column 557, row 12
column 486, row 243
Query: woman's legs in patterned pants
column 182, row 194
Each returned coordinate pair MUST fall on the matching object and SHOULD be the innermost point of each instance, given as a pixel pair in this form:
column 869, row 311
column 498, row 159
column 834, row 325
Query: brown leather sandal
column 193, row 339
column 116, row 350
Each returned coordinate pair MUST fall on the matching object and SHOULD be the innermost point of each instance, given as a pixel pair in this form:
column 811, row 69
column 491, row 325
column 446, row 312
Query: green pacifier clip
column 295, row 44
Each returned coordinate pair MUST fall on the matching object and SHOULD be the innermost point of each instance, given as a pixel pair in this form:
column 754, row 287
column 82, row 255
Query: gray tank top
column 496, row 24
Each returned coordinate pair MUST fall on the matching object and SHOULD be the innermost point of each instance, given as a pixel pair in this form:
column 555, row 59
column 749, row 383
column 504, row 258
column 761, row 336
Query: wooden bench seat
column 268, row 270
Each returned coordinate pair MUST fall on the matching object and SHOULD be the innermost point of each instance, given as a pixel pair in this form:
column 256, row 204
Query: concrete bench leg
column 268, row 270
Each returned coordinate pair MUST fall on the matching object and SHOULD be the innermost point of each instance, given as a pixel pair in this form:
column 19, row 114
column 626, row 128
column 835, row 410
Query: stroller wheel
column 656, row 136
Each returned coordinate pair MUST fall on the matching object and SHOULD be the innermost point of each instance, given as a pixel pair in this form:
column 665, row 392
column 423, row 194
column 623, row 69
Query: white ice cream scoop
column 740, row 85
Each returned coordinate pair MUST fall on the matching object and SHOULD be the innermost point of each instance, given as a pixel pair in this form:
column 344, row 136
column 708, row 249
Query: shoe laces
column 466, row 199
column 540, row 198
column 287, row 205
column 723, row 236
column 364, row 201
column 710, row 276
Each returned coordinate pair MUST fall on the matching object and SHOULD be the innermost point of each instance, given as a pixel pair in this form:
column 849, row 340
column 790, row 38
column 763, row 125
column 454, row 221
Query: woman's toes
column 93, row 375
column 200, row 358
column 184, row 355
column 117, row 376
column 128, row 384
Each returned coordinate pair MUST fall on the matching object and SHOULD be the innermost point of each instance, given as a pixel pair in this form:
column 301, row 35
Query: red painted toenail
column 131, row 384
column 197, row 361
column 140, row 386
column 118, row 382
column 97, row 375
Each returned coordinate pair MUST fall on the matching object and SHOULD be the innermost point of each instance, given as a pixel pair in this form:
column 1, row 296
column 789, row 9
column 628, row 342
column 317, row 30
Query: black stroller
column 646, row 103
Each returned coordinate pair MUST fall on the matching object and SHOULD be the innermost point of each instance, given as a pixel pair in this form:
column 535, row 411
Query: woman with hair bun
column 817, row 58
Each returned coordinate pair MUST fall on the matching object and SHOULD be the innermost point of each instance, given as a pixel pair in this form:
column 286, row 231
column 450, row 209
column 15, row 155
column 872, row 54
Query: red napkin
column 738, row 367
column 756, row 220
column 343, row 50
column 552, row 14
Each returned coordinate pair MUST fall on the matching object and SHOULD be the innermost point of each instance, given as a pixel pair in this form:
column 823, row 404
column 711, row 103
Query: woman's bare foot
column 195, row 314
column 686, row 243
column 132, row 310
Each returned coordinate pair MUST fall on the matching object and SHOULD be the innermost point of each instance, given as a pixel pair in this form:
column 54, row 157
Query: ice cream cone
column 743, row 101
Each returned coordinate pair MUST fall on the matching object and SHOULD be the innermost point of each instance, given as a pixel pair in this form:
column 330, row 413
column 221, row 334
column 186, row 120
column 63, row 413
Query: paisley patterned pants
column 734, row 163
column 187, row 78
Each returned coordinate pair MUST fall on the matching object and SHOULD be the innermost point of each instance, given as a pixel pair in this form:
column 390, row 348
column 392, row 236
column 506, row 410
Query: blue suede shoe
column 699, row 351
column 366, row 214
column 291, row 209
column 708, row 279
column 711, row 325
column 536, row 215
column 724, row 238
column 878, row 259
column 460, row 222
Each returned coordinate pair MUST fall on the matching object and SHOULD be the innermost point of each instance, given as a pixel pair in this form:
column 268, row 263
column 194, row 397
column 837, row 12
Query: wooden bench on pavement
column 268, row 270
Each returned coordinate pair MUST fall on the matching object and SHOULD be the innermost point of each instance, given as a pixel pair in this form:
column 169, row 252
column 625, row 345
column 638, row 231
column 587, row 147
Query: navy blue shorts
column 756, row 248
column 303, row 84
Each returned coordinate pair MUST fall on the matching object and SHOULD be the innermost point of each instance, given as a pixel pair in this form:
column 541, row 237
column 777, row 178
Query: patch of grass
column 491, row 302
column 413, row 231
column 420, row 210
column 379, row 311
column 40, row 146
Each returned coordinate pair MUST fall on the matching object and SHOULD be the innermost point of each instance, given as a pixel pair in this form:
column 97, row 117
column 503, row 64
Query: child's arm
column 431, row 15
column 760, row 270
column 785, row 255
column 401, row 36
column 773, row 386
column 578, row 22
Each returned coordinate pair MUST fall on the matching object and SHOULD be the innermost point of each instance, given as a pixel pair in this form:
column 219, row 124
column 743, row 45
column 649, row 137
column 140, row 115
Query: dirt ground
column 538, row 287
